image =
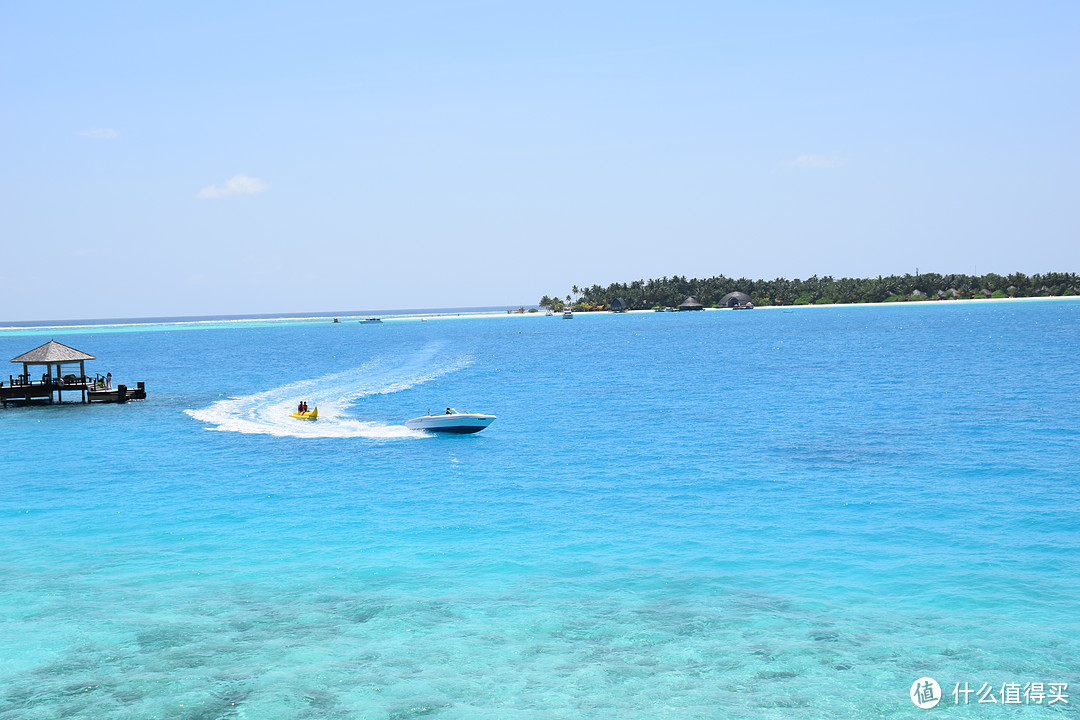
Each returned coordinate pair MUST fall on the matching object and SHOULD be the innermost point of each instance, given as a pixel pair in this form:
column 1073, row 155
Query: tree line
column 670, row 292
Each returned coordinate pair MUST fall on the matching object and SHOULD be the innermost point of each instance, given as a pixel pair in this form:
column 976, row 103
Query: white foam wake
column 268, row 412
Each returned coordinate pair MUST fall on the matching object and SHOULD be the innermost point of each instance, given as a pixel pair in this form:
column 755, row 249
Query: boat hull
column 311, row 415
column 458, row 424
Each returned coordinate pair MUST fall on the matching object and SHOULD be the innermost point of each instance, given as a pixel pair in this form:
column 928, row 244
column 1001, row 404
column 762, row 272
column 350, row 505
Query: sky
column 201, row 158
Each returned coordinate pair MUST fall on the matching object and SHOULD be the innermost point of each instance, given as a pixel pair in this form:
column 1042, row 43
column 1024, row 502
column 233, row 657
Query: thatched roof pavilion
column 53, row 355
column 691, row 304
column 618, row 305
column 735, row 299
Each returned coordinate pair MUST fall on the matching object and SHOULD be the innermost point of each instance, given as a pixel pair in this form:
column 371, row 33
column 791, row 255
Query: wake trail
column 267, row 412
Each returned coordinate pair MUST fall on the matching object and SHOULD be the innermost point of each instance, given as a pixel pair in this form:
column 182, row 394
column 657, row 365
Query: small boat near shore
column 371, row 321
column 568, row 313
column 309, row 415
column 452, row 421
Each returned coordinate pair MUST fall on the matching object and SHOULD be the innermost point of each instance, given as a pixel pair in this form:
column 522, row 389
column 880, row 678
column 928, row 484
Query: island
column 920, row 287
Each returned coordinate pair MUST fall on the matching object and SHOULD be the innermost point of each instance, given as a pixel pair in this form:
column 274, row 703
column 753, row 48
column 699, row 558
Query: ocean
column 765, row 514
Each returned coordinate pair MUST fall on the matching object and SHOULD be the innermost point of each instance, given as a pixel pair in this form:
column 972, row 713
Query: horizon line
column 298, row 315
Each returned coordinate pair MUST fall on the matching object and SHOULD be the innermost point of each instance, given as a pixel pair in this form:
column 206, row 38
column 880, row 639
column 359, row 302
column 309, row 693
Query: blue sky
column 203, row 158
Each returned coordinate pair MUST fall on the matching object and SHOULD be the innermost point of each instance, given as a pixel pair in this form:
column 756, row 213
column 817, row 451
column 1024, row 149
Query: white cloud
column 99, row 134
column 236, row 185
column 817, row 161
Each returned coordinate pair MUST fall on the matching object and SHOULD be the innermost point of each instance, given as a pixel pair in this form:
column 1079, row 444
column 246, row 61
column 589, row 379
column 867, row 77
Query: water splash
column 267, row 412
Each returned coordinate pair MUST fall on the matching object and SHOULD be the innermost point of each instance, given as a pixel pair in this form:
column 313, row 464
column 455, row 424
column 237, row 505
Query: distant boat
column 309, row 415
column 371, row 321
column 567, row 313
column 452, row 421
column 548, row 313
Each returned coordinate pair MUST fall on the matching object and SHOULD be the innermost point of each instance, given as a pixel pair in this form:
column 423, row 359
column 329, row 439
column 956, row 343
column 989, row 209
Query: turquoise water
column 757, row 514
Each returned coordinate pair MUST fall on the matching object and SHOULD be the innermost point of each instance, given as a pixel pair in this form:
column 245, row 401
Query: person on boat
column 449, row 411
column 108, row 381
column 300, row 406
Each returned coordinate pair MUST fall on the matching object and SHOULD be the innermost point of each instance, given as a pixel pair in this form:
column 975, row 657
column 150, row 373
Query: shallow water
column 723, row 514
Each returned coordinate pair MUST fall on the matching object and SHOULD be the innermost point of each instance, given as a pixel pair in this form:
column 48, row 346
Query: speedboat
column 568, row 313
column 309, row 415
column 452, row 421
column 371, row 321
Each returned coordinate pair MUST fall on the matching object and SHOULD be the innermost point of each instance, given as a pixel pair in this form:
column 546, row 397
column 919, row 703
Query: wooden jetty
column 53, row 356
